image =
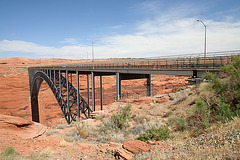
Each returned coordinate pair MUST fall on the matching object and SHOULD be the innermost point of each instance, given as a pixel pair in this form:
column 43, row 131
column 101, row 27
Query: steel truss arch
column 68, row 103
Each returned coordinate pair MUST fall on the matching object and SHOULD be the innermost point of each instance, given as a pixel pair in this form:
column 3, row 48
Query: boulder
column 136, row 146
column 18, row 126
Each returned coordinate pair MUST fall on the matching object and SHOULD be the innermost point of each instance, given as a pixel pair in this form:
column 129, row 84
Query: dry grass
column 85, row 130
column 46, row 153
column 9, row 153
column 62, row 143
column 221, row 141
column 52, row 133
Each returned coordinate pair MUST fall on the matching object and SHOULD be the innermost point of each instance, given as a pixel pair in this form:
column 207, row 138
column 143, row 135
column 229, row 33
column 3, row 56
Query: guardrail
column 157, row 64
column 213, row 60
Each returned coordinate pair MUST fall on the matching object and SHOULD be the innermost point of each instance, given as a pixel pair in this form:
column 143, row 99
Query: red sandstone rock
column 20, row 127
column 10, row 121
column 123, row 153
column 136, row 146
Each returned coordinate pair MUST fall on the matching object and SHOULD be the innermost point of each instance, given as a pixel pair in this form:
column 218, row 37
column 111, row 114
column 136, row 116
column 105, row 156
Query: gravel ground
column 221, row 143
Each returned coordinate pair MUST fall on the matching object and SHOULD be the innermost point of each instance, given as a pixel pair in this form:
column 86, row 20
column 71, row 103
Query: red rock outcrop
column 136, row 146
column 10, row 125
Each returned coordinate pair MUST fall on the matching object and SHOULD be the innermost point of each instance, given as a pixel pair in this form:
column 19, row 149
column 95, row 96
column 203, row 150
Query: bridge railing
column 215, row 62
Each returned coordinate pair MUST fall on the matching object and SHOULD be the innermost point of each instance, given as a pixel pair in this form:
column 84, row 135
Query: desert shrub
column 68, row 139
column 10, row 150
column 62, row 143
column 82, row 129
column 9, row 153
column 179, row 123
column 61, row 126
column 119, row 120
column 46, row 153
column 219, row 100
column 165, row 115
column 155, row 133
column 140, row 119
column 52, row 132
column 226, row 102
column 180, row 100
column 141, row 127
column 179, row 89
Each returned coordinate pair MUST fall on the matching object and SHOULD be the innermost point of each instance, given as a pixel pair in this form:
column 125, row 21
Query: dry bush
column 85, row 130
column 62, row 143
column 46, row 153
column 9, row 153
column 61, row 126
column 52, row 133
column 206, row 94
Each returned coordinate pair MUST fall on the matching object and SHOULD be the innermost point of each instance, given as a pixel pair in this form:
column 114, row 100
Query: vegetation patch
column 9, row 153
column 218, row 101
column 155, row 133
column 119, row 120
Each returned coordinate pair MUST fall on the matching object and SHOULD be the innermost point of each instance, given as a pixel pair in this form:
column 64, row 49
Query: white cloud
column 171, row 31
column 41, row 51
column 175, row 37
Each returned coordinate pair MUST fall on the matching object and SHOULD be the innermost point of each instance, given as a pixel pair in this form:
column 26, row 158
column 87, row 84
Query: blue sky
column 126, row 28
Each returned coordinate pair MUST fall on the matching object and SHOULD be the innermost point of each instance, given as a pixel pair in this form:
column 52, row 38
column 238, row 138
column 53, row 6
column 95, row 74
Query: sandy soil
column 15, row 101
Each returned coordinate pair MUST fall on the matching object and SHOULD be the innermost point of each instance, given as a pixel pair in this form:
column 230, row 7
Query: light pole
column 93, row 51
column 205, row 41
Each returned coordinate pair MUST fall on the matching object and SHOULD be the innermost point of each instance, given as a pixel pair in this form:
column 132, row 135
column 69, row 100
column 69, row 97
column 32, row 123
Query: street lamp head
column 202, row 23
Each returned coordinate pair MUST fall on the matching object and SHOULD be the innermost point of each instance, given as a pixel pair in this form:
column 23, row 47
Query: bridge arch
column 37, row 80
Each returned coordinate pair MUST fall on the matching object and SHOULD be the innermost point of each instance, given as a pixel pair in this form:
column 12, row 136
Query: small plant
column 49, row 133
column 119, row 120
column 46, row 152
column 83, row 132
column 169, row 113
column 179, row 89
column 68, row 139
column 140, row 119
column 61, row 126
column 180, row 123
column 155, row 133
column 9, row 153
column 180, row 100
column 156, row 101
column 62, row 143
column 206, row 123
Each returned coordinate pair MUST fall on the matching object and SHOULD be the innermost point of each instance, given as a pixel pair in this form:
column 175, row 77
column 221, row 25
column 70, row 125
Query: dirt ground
column 15, row 101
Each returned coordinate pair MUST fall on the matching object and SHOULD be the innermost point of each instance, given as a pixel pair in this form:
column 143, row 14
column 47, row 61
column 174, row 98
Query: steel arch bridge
column 73, row 105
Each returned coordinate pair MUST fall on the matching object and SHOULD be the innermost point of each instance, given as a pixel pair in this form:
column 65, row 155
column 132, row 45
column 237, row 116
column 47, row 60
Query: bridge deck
column 60, row 77
column 177, row 66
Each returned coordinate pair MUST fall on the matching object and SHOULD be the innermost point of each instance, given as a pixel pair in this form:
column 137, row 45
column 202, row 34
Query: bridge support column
column 54, row 74
column 93, row 91
column 101, row 92
column 88, row 94
column 78, row 93
column 118, row 86
column 60, row 84
column 68, row 110
column 35, row 111
column 149, row 85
